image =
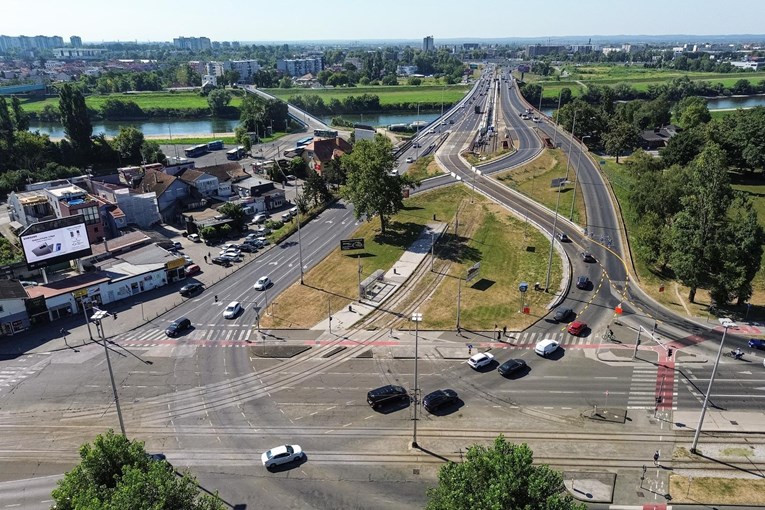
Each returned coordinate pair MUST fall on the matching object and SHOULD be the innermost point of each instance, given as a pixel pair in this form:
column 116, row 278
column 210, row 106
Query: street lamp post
column 417, row 318
column 726, row 323
column 573, row 137
column 300, row 247
column 99, row 316
column 552, row 241
column 576, row 176
column 417, row 136
column 557, row 117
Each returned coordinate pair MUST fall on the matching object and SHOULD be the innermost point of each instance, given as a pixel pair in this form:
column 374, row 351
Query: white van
column 293, row 211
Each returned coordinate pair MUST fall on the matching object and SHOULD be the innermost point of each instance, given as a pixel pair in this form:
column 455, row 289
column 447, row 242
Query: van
column 293, row 211
column 286, row 217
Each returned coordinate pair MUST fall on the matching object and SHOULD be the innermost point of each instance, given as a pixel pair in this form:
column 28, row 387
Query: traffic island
column 590, row 486
column 604, row 414
column 277, row 351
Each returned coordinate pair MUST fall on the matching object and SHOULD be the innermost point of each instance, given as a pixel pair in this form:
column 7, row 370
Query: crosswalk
column 646, row 386
column 220, row 336
column 529, row 339
column 14, row 371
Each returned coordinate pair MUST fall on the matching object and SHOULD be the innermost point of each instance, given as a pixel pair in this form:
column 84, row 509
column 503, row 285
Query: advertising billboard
column 54, row 241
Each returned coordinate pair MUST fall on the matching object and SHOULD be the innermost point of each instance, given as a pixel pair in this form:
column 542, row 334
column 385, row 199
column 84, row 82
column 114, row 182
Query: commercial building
column 428, row 44
column 300, row 66
column 540, row 50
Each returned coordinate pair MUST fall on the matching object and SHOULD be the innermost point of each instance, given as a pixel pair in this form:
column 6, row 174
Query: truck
column 477, row 109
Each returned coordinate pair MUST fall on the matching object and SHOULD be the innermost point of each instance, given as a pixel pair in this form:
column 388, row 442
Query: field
column 487, row 233
column 424, row 168
column 179, row 100
column 388, row 95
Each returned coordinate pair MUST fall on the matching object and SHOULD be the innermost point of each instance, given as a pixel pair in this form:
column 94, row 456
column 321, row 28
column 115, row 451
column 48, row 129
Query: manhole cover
column 415, row 471
column 733, row 422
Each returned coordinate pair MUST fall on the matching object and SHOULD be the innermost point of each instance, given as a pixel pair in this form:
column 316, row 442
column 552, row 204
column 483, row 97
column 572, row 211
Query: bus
column 303, row 141
column 325, row 133
column 196, row 151
column 215, row 145
column 235, row 154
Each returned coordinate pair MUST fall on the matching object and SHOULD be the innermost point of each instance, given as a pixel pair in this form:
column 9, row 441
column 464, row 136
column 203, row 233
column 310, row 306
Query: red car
column 192, row 269
column 577, row 327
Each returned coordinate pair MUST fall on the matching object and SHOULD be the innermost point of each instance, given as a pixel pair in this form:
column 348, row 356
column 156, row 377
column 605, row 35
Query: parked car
column 438, row 399
column 293, row 211
column 282, row 455
column 512, row 366
column 385, row 394
column 234, row 250
column 230, row 256
column 221, row 261
column 263, row 240
column 260, row 218
column 191, row 288
column 480, row 359
column 194, row 238
column 286, row 217
column 248, row 247
column 291, row 178
column 192, row 269
column 576, row 327
column 177, row 245
column 561, row 314
column 233, row 309
column 546, row 347
column 756, row 343
column 263, row 283
column 188, row 260
column 178, row 326
column 262, row 231
column 255, row 243
column 251, row 237
column 583, row 282
column 587, row 257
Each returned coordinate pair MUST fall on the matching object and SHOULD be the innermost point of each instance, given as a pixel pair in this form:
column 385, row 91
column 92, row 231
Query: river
column 176, row 128
column 714, row 103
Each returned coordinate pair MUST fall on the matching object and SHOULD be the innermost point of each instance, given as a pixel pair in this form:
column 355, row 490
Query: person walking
column 205, row 259
column 656, row 456
column 504, row 330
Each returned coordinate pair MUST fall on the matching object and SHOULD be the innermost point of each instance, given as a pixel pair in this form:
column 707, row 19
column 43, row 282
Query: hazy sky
column 292, row 20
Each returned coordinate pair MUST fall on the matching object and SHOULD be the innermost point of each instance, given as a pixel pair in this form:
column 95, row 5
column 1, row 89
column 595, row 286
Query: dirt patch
column 717, row 491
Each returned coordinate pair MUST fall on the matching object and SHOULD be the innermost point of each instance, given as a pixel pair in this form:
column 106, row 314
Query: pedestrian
column 208, row 255
column 504, row 330
column 499, row 335
column 205, row 259
column 216, row 298
column 656, row 458
column 669, row 352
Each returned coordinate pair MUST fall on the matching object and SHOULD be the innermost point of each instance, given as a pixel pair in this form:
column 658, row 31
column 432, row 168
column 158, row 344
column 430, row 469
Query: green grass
column 388, row 95
column 179, row 100
column 424, row 168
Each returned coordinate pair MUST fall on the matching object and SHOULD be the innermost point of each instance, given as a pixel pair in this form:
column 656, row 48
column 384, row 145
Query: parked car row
column 391, row 393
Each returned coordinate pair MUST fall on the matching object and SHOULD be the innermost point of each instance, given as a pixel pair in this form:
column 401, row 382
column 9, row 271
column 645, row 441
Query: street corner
column 622, row 355
column 593, row 487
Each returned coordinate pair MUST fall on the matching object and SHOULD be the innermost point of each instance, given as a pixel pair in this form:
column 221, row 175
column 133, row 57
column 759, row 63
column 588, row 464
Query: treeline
column 364, row 103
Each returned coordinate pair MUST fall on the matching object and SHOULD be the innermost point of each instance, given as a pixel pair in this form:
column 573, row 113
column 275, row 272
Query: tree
column 298, row 167
column 235, row 212
column 115, row 472
column 369, row 184
column 218, row 100
column 230, row 77
column 500, row 476
column 152, row 153
column 285, row 82
column 682, row 148
column 74, row 118
column 620, row 136
column 692, row 111
column 128, row 144
column 315, row 189
column 20, row 118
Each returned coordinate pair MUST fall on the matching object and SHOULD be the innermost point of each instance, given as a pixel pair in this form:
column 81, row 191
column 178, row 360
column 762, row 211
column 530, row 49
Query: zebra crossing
column 14, row 371
column 646, row 386
column 220, row 336
column 529, row 339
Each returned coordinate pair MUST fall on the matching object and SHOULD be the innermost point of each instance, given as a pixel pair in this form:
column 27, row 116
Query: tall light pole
column 98, row 317
column 727, row 323
column 417, row 318
column 552, row 240
column 573, row 137
column 300, row 248
column 557, row 117
column 576, row 176
column 416, row 137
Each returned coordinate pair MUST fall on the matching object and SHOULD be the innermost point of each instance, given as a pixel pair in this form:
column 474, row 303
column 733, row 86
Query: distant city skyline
column 342, row 20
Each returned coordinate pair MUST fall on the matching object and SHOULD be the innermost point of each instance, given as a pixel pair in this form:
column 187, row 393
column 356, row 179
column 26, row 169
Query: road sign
column 473, row 271
column 602, row 161
column 352, row 244
column 523, row 287
column 558, row 183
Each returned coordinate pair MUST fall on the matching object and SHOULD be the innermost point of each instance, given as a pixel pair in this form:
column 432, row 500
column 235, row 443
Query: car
column 438, row 399
column 233, row 309
column 583, row 282
column 546, row 347
column 192, row 269
column 286, row 217
column 480, row 359
column 262, row 231
column 576, row 327
column 291, row 178
column 263, row 283
column 563, row 237
column 263, row 240
column 756, row 343
column 251, row 237
column 178, row 326
column 191, row 288
column 260, row 218
column 247, row 247
column 416, row 145
column 512, row 366
column 255, row 243
column 385, row 394
column 221, row 261
column 587, row 257
column 282, row 455
column 394, row 172
column 231, row 249
column 231, row 257
column 409, row 159
column 177, row 245
column 561, row 314
column 294, row 211
column 188, row 260
column 194, row 238
column 451, row 121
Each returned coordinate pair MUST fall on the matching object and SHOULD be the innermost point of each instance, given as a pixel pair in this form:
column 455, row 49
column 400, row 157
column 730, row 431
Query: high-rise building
column 192, row 43
column 427, row 44
column 23, row 42
column 300, row 66
column 75, row 41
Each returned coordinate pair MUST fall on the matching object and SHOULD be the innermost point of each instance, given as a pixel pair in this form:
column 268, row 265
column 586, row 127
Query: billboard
column 54, row 241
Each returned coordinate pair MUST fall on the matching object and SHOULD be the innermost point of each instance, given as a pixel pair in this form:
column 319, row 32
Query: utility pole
column 300, row 248
column 416, row 317
column 576, row 177
column 570, row 145
column 99, row 316
column 557, row 117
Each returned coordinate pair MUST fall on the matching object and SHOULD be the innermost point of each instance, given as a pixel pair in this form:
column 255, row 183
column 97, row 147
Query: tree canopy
column 501, row 476
column 115, row 473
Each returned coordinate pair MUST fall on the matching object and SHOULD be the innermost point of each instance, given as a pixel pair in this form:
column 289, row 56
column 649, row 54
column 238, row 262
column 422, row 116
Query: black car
column 563, row 237
column 178, row 326
column 438, row 399
column 221, row 261
column 587, row 256
column 191, row 288
column 386, row 394
column 249, row 248
column 561, row 314
column 583, row 282
column 511, row 366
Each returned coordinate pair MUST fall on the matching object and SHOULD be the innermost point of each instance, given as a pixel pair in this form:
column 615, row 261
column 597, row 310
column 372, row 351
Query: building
column 319, row 153
column 362, row 132
column 23, row 42
column 28, row 207
column 402, row 70
column 540, row 50
column 192, row 43
column 168, row 189
column 245, row 68
column 428, row 44
column 214, row 68
column 73, row 200
column 79, row 53
column 75, row 41
column 300, row 66
column 204, row 184
column 654, row 139
column 753, row 65
column 13, row 310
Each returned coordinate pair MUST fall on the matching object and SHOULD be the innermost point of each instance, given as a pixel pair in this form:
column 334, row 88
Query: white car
column 282, row 455
column 259, row 218
column 409, row 159
column 263, row 283
column 263, row 240
column 231, row 251
column 233, row 309
column 480, row 360
column 194, row 238
column 546, row 347
column 261, row 231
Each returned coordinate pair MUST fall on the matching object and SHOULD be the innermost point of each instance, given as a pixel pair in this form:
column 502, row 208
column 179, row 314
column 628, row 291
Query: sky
column 357, row 20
